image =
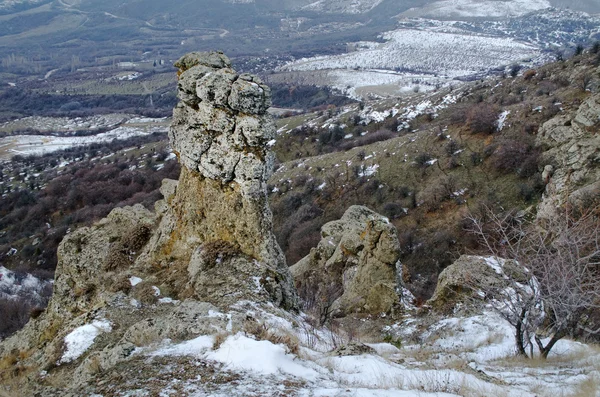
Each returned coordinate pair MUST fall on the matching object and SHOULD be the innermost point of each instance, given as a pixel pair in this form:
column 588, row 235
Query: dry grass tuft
column 92, row 364
column 219, row 339
column 144, row 293
column 278, row 337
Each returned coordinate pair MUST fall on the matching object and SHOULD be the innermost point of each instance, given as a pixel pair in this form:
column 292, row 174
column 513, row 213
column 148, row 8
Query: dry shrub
column 528, row 74
column 14, row 314
column 36, row 311
column 117, row 258
column 217, row 251
column 122, row 253
column 422, row 160
column 219, row 339
column 393, row 210
column 278, row 337
column 438, row 191
column 482, row 118
column 306, row 236
column 120, row 283
column 144, row 293
column 458, row 116
column 377, row 136
column 84, row 290
column 136, row 238
column 512, row 155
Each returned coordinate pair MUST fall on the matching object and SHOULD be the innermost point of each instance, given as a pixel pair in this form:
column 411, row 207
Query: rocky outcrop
column 355, row 266
column 138, row 277
column 215, row 240
column 472, row 276
column 571, row 145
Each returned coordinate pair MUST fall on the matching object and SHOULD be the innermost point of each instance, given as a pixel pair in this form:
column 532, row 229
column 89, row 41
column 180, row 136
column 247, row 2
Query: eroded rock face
column 458, row 283
column 149, row 276
column 221, row 127
column 221, row 133
column 354, row 268
column 573, row 152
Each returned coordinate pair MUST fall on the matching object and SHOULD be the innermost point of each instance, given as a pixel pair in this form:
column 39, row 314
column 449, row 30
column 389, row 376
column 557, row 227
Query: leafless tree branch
column 558, row 284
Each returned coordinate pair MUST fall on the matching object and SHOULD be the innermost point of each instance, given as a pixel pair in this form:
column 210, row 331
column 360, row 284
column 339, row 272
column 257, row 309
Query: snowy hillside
column 457, row 356
column 452, row 54
column 24, row 287
column 342, row 6
column 477, row 8
column 430, row 54
column 126, row 127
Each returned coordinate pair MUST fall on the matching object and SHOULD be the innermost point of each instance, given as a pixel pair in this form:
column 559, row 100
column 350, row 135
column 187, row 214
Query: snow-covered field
column 342, row 6
column 418, row 59
column 41, row 144
column 65, row 124
column 5, row 4
column 477, row 8
column 451, row 54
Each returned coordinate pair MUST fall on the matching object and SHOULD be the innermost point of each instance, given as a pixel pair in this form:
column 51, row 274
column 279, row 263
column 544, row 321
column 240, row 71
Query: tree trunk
column 519, row 335
column 544, row 350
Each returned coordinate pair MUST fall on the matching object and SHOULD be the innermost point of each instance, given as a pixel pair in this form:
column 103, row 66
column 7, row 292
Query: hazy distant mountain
column 591, row 6
column 81, row 33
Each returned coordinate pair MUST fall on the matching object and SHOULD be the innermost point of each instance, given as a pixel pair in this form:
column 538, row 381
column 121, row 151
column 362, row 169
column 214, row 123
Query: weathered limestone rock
column 217, row 224
column 457, row 283
column 171, row 274
column 572, row 144
column 354, row 266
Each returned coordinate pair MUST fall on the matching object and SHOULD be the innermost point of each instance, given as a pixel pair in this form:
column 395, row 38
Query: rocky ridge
column 571, row 152
column 138, row 277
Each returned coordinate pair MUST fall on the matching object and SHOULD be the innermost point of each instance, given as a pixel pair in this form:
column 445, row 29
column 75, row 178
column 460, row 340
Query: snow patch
column 502, row 120
column 239, row 352
column 368, row 171
column 193, row 347
column 82, row 338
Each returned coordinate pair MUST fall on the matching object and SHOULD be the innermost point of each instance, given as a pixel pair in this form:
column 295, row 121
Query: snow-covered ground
column 65, row 124
column 477, row 8
column 431, row 52
column 342, row 6
column 458, row 356
column 6, row 4
column 417, row 59
column 82, row 338
column 23, row 286
column 41, row 144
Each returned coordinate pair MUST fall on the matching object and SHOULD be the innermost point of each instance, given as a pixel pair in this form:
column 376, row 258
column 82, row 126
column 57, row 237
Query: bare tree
column 551, row 286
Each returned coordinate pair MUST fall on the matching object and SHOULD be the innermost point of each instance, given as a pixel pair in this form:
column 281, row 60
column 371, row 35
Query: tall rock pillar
column 218, row 217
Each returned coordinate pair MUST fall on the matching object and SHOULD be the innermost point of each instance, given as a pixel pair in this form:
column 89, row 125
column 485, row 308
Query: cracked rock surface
column 572, row 152
column 177, row 272
column 221, row 127
column 354, row 268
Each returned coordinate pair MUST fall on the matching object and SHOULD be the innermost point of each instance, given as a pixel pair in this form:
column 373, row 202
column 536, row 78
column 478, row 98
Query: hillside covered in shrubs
column 424, row 162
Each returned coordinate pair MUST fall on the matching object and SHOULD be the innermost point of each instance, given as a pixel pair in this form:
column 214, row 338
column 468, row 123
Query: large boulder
column 471, row 278
column 355, row 268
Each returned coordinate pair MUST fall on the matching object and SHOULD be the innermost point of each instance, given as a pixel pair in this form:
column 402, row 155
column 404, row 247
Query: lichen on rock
column 572, row 149
column 207, row 247
column 220, row 132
